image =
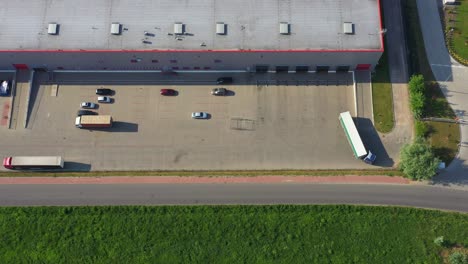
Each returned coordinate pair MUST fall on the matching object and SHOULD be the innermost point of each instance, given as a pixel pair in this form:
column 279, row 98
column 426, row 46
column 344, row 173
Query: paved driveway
column 453, row 79
column 285, row 121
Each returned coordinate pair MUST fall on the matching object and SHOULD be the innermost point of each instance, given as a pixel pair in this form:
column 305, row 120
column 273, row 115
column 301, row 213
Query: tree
column 417, row 161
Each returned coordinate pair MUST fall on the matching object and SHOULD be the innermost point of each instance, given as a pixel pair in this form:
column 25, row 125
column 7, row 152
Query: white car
column 104, row 99
column 199, row 115
column 88, row 105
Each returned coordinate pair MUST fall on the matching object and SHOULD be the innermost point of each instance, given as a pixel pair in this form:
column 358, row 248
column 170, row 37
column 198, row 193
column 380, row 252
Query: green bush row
column 417, row 89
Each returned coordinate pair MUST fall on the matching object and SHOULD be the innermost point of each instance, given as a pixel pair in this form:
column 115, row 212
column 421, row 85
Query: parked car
column 86, row 112
column 168, row 92
column 5, row 88
column 88, row 105
column 219, row 91
column 104, row 91
column 199, row 115
column 224, row 80
column 104, row 99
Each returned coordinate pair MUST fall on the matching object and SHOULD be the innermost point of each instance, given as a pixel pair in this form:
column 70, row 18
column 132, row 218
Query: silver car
column 104, row 99
column 88, row 105
column 199, row 115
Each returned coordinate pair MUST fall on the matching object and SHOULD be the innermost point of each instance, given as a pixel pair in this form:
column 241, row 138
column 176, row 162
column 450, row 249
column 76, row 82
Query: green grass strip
column 226, row 234
column 382, row 97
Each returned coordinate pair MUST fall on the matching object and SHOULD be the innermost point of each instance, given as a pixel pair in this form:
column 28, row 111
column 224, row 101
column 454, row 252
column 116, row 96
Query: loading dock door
column 302, row 69
column 342, row 68
column 21, row 66
column 261, row 68
column 280, row 69
column 322, row 69
column 363, row 67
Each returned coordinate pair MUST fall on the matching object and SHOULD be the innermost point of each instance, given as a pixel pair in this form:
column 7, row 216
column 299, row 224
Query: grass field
column 382, row 97
column 226, row 234
column 244, row 173
column 444, row 137
column 456, row 17
column 437, row 105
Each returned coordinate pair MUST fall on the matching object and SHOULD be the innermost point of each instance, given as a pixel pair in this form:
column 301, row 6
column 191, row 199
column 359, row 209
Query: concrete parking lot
column 282, row 121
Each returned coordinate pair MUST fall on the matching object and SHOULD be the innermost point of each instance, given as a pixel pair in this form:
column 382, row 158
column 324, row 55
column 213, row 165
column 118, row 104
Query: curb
column 205, row 180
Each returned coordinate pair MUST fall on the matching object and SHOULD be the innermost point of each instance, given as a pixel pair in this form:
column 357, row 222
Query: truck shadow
column 75, row 166
column 372, row 141
column 117, row 126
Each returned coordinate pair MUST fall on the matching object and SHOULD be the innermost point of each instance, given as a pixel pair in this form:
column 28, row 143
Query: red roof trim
column 185, row 51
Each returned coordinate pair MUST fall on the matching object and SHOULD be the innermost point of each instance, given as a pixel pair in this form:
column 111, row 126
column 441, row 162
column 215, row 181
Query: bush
column 440, row 241
column 458, row 258
column 417, row 104
column 418, row 161
column 417, row 91
column 421, row 128
column 416, row 84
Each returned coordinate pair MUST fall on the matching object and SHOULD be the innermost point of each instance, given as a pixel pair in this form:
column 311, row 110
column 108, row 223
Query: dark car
column 5, row 88
column 104, row 91
column 219, row 91
column 85, row 112
column 168, row 92
column 224, row 80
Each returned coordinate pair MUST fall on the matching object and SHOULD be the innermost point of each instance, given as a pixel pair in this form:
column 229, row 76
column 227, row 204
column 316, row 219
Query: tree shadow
column 455, row 174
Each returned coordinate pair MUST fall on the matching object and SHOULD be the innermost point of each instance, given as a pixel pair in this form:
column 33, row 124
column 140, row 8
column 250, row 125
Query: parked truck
column 93, row 121
column 33, row 162
column 359, row 150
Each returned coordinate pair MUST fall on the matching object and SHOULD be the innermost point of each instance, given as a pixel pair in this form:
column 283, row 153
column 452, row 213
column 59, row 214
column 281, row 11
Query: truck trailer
column 93, row 121
column 359, row 150
column 33, row 162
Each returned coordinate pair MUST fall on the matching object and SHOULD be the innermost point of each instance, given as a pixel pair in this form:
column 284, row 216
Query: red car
column 168, row 92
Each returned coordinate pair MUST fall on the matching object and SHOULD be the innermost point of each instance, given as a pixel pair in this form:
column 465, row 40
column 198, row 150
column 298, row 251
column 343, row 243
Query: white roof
column 250, row 24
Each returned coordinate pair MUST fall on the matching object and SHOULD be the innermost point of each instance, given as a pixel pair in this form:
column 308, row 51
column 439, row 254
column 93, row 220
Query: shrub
column 417, row 91
column 417, row 104
column 421, row 129
column 458, row 258
column 416, row 84
column 440, row 241
column 418, row 161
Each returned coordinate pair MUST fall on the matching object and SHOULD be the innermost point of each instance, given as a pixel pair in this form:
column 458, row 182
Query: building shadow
column 370, row 138
column 116, row 78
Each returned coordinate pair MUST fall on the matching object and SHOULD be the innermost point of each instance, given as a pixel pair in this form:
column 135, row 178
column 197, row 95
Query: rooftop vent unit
column 178, row 28
column 220, row 28
column 52, row 29
column 284, row 28
column 348, row 28
column 116, row 28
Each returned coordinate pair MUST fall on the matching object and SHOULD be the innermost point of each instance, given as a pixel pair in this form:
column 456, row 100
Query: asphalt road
column 164, row 194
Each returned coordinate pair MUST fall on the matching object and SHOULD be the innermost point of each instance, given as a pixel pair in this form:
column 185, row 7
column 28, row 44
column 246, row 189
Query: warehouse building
column 191, row 35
